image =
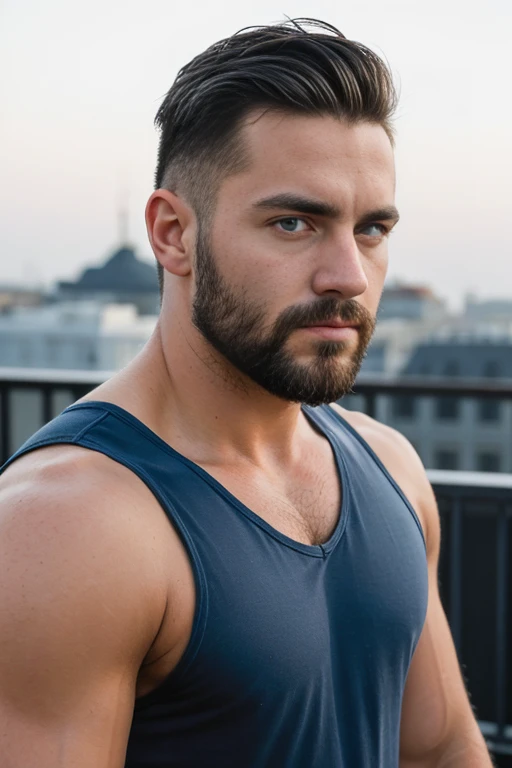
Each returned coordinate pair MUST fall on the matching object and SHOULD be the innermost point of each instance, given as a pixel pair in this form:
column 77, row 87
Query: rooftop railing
column 475, row 508
column 373, row 387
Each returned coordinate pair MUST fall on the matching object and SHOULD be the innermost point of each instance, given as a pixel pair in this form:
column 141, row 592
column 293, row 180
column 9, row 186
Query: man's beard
column 235, row 327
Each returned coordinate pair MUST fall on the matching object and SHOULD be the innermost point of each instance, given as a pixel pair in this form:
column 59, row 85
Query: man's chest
column 304, row 504
column 295, row 611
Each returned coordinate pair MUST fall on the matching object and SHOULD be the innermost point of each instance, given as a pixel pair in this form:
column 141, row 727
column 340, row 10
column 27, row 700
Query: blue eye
column 291, row 224
column 375, row 230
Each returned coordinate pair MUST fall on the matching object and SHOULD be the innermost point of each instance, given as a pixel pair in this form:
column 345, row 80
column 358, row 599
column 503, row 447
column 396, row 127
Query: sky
column 80, row 84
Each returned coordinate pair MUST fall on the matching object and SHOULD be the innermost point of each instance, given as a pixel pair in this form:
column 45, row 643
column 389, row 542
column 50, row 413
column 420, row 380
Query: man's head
column 278, row 140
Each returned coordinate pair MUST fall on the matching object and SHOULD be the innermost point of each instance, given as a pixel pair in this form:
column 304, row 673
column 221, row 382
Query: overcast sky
column 80, row 84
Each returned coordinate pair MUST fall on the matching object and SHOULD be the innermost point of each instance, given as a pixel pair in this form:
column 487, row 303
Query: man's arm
column 78, row 611
column 438, row 728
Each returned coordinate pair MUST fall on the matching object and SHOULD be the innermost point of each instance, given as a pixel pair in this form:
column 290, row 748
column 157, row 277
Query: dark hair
column 304, row 66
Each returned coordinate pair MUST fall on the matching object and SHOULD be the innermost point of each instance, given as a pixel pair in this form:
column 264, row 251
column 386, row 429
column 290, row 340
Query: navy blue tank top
column 299, row 654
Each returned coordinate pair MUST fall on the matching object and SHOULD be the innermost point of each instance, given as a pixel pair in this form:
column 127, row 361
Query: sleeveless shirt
column 299, row 653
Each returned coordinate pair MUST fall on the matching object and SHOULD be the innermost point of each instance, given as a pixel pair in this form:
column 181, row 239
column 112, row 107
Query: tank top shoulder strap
column 66, row 429
column 345, row 434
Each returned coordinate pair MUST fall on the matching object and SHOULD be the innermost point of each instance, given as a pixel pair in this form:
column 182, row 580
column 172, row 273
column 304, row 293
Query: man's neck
column 190, row 396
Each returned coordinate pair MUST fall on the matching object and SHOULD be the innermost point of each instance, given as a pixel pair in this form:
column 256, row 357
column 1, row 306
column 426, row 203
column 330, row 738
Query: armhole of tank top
column 201, row 596
column 83, row 440
column 339, row 418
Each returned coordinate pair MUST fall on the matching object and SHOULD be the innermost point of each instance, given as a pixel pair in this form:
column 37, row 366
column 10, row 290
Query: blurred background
column 79, row 89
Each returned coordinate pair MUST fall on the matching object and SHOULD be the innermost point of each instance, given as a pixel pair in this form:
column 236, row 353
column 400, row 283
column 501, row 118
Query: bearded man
column 204, row 563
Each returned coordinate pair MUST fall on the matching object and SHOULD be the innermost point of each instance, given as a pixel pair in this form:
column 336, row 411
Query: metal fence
column 474, row 576
column 30, row 397
column 475, row 509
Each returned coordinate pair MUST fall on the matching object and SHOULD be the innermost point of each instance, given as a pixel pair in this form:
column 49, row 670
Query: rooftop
column 122, row 272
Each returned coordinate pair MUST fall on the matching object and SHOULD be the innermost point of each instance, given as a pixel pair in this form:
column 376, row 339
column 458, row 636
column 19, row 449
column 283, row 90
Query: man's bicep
column 68, row 656
column 436, row 711
column 92, row 732
column 434, row 689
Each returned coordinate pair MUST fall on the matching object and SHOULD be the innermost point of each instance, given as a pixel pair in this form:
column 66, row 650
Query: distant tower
column 123, row 225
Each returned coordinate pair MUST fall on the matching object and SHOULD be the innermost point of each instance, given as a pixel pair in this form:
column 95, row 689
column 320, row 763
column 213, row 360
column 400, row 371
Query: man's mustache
column 324, row 311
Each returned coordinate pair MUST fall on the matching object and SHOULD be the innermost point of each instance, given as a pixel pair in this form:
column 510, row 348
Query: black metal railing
column 372, row 387
column 30, row 397
column 475, row 508
column 475, row 576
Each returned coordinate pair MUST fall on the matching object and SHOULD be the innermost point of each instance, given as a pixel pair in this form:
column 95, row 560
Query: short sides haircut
column 303, row 66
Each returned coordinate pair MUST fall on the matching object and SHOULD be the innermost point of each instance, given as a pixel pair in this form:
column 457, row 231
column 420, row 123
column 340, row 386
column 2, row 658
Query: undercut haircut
column 303, row 67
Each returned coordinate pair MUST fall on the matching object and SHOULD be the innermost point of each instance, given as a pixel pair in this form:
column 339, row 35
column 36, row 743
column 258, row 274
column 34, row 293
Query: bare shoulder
column 83, row 593
column 78, row 528
column 387, row 442
column 402, row 462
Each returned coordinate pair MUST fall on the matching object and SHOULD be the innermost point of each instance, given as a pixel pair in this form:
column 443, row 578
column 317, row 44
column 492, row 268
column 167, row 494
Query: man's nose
column 340, row 269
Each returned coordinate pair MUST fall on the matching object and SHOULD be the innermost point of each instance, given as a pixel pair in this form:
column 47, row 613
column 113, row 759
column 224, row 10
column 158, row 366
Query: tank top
column 299, row 653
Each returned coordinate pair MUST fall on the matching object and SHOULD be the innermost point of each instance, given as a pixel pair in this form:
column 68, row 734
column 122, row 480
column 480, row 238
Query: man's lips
column 332, row 324
column 333, row 330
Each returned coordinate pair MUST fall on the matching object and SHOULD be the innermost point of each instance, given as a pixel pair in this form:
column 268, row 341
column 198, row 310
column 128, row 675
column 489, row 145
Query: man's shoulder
column 380, row 437
column 73, row 521
column 66, row 472
column 81, row 503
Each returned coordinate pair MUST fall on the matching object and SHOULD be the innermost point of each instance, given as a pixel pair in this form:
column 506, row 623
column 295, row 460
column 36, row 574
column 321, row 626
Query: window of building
column 446, row 458
column 491, row 369
column 24, row 351
column 488, row 461
column 451, row 368
column 91, row 358
column 404, row 407
column 448, row 407
column 52, row 351
column 375, row 360
column 489, row 410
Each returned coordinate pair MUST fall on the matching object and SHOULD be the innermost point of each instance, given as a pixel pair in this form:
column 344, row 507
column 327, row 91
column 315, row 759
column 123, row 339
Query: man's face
column 290, row 272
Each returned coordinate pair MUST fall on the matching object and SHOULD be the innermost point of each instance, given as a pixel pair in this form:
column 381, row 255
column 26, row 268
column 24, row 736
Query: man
column 203, row 563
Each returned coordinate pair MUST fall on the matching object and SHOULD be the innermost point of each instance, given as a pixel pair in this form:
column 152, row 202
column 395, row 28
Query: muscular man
column 203, row 564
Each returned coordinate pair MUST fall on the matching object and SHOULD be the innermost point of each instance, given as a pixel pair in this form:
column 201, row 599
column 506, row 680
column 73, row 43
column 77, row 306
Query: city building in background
column 450, row 431
column 83, row 335
column 122, row 279
column 494, row 315
column 410, row 302
column 12, row 296
column 417, row 337
column 408, row 314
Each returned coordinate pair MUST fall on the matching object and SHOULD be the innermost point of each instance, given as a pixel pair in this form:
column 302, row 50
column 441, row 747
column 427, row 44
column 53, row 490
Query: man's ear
column 170, row 224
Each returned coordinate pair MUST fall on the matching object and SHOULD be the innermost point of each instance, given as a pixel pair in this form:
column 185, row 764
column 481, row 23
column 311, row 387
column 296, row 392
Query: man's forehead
column 267, row 130
column 320, row 158
column 318, row 152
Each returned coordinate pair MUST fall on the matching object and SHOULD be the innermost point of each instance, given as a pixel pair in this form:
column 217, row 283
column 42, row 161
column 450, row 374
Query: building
column 493, row 313
column 86, row 335
column 408, row 314
column 410, row 302
column 123, row 279
column 453, row 432
column 415, row 336
column 393, row 343
column 12, row 296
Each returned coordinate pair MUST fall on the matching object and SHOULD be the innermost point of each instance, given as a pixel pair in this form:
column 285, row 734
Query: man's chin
column 330, row 355
column 312, row 392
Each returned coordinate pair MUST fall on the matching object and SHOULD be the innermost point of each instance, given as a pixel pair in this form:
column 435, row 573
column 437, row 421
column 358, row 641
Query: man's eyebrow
column 291, row 202
column 388, row 213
